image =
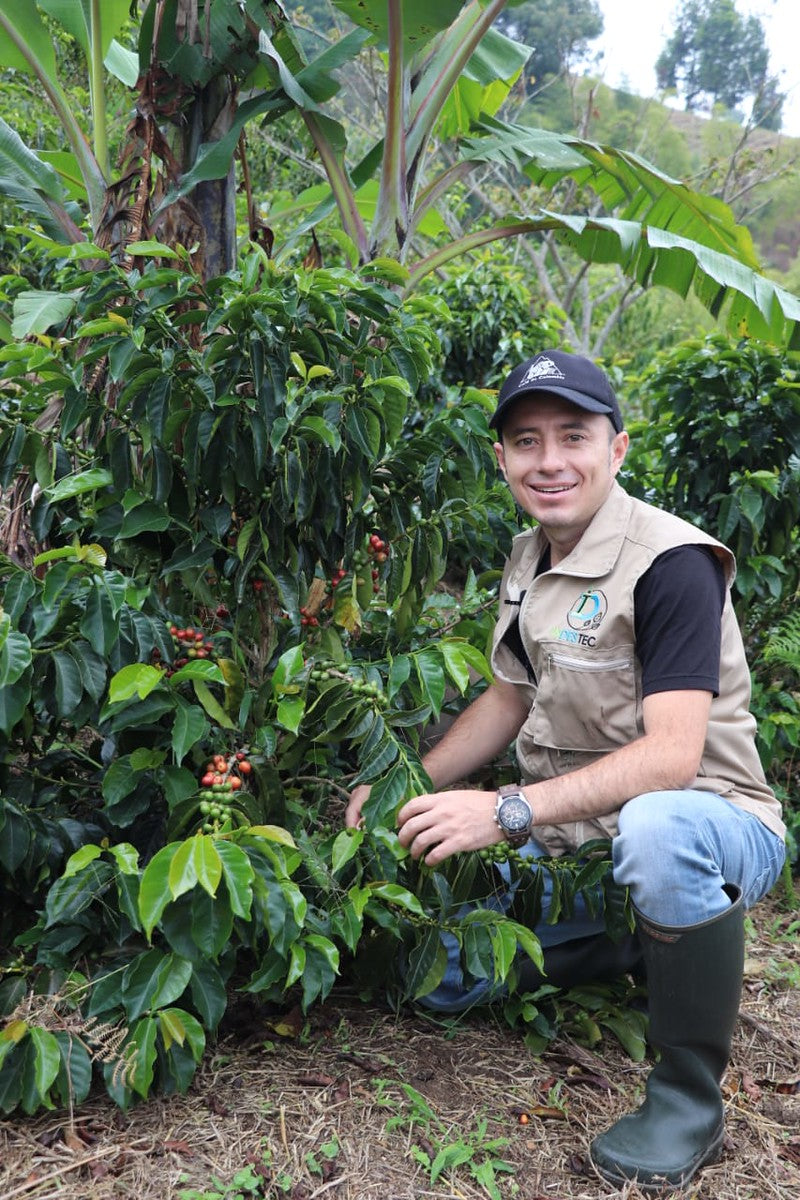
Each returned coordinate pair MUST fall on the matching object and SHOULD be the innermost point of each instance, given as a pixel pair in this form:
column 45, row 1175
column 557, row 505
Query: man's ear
column 619, row 448
column 500, row 456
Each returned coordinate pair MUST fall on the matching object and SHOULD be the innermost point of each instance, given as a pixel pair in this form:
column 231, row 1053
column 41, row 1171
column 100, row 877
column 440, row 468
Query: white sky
column 636, row 30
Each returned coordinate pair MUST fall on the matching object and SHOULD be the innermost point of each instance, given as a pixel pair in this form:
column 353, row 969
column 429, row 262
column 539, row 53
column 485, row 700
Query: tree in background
column 717, row 56
column 559, row 32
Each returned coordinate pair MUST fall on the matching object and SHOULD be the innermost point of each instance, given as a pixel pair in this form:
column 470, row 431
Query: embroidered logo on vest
column 588, row 611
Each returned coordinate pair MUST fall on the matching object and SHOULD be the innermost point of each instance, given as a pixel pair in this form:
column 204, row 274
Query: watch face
column 514, row 814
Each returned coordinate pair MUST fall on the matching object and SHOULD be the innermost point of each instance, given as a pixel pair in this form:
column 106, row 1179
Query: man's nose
column 551, row 456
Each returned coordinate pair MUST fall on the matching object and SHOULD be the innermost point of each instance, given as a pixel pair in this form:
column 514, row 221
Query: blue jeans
column 674, row 851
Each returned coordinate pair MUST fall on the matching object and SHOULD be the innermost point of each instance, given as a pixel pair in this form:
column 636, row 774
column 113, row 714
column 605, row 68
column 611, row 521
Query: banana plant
column 38, row 185
column 184, row 78
column 448, row 72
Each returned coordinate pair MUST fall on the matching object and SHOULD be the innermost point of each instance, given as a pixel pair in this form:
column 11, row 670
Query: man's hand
column 352, row 814
column 435, row 826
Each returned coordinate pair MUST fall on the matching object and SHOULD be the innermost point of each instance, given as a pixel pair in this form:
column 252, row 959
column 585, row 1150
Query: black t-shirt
column 677, row 612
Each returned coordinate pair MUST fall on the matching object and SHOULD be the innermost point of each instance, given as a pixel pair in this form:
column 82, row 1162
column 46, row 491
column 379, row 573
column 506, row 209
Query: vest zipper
column 615, row 664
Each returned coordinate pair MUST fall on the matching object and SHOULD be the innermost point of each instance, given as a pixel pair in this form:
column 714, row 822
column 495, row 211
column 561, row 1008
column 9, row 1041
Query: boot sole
column 658, row 1183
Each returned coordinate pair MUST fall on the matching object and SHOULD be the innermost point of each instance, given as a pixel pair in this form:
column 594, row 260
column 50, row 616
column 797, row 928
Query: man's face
column 560, row 463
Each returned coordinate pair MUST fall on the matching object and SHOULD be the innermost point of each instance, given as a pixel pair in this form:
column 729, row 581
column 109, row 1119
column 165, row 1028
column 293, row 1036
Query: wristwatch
column 514, row 815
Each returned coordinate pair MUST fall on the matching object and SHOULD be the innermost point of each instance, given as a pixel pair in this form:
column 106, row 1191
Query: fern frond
column 784, row 645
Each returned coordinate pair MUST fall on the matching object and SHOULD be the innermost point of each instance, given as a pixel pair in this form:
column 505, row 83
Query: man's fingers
column 413, row 808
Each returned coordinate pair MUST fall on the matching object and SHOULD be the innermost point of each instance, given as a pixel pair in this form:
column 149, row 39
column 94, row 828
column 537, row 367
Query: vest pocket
column 586, row 701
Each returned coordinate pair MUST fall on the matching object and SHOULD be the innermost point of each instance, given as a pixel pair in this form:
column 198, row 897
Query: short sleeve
column 678, row 605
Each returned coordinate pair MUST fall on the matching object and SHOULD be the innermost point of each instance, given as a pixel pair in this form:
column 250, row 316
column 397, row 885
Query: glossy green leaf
column 68, row 897
column 189, row 728
column 297, row 964
column 239, row 875
column 198, row 669
column 178, row 783
column 15, row 653
column 145, row 518
column 427, row 962
column 192, row 1035
column 629, row 1028
column 119, row 781
column 137, row 679
column 74, row 1080
column 40, row 1067
column 99, row 624
column 290, row 713
column 68, row 683
column 90, row 480
column 172, row 1027
column 211, row 923
column 383, row 756
column 385, row 797
column 272, row 833
column 393, row 893
column 288, row 667
column 320, row 969
column 140, row 1051
column 209, row 996
column 456, row 664
column 80, row 859
column 36, row 312
column 182, row 875
column 211, row 705
column 154, row 892
column 208, row 864
column 153, row 980
column 430, row 673
column 504, row 948
column 10, row 1078
column 15, row 831
column 347, row 924
column 345, row 847
column 92, row 669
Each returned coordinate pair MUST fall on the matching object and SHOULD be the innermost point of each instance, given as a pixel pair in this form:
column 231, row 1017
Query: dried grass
column 268, row 1102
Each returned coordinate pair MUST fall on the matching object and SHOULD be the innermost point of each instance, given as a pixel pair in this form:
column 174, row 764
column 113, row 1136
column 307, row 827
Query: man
column 619, row 669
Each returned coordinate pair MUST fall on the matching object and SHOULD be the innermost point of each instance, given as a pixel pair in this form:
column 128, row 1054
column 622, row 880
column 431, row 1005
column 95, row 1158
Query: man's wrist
column 513, row 814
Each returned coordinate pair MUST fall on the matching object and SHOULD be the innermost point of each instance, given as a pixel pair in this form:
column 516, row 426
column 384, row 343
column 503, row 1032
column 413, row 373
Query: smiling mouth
column 553, row 490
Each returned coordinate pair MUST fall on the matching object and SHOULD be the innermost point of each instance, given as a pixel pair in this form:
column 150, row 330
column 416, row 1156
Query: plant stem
column 97, row 90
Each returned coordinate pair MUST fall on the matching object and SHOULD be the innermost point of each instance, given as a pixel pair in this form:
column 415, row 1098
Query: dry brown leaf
column 178, row 1146
column 750, row 1087
column 315, row 1079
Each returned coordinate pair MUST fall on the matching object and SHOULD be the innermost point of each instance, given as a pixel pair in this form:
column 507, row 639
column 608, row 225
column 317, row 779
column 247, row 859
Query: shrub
column 225, row 608
column 721, row 447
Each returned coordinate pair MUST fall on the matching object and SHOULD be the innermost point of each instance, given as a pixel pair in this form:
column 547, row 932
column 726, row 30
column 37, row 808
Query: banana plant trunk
column 210, row 118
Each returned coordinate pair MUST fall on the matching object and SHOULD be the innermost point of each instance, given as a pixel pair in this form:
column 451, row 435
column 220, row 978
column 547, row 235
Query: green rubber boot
column 592, row 959
column 694, row 981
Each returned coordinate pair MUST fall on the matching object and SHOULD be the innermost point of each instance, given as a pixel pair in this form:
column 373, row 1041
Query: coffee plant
column 720, row 446
column 231, row 535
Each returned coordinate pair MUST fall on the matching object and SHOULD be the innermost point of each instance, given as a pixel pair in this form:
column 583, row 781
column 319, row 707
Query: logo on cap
column 542, row 368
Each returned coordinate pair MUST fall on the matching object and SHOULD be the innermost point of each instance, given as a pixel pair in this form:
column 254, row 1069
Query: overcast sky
column 635, row 33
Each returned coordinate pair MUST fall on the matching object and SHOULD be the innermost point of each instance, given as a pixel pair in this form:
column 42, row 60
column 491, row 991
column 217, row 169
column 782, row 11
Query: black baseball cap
column 559, row 374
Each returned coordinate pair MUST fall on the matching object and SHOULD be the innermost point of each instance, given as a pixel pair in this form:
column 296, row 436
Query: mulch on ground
column 350, row 1103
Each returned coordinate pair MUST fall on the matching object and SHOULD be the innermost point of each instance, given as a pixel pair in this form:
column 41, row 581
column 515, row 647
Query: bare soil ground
column 348, row 1104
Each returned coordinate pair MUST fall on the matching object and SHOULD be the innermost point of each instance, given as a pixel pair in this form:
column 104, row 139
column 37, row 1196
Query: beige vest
column 577, row 627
